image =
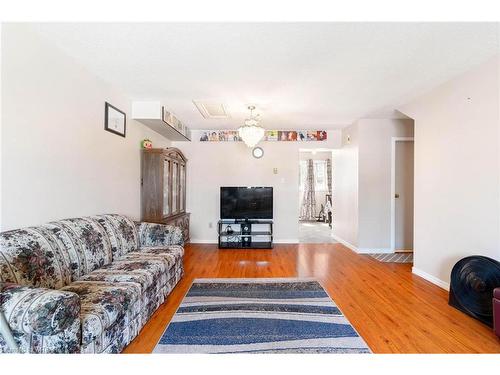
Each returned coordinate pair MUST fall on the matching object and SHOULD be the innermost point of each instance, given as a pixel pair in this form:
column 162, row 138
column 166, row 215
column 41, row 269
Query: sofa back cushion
column 121, row 232
column 31, row 256
column 54, row 254
column 86, row 243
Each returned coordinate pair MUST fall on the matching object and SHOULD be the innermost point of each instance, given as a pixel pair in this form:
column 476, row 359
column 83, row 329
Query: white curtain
column 308, row 208
column 329, row 202
column 329, row 175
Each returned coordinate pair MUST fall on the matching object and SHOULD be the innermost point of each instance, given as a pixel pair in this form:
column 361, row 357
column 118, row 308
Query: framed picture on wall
column 114, row 120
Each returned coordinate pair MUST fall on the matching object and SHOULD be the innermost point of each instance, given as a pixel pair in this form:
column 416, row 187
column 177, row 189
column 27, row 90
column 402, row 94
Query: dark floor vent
column 471, row 288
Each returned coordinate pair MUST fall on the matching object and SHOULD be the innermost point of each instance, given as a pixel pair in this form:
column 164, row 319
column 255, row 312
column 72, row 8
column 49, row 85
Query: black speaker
column 471, row 287
column 246, row 228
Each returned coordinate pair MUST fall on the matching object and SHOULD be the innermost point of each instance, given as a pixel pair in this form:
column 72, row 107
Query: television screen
column 246, row 203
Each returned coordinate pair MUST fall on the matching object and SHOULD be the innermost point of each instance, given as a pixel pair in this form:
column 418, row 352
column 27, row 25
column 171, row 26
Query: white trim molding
column 424, row 275
column 371, row 250
column 196, row 240
column 345, row 243
column 362, row 250
column 393, row 187
column 287, row 240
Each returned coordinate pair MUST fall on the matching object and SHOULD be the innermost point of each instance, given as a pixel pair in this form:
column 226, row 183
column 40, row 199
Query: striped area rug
column 406, row 257
column 259, row 316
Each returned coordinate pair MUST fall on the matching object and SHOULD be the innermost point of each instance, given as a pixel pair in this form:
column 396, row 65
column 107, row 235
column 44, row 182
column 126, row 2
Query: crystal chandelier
column 251, row 133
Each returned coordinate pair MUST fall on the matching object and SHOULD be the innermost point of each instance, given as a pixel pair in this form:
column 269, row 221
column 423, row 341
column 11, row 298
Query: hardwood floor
column 392, row 309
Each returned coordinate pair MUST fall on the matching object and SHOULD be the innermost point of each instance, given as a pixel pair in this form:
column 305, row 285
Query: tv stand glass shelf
column 245, row 234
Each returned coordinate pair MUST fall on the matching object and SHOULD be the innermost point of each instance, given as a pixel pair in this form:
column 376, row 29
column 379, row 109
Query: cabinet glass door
column 175, row 186
column 166, row 188
column 182, row 190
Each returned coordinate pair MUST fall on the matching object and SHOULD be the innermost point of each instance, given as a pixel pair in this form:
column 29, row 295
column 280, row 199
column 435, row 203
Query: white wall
column 362, row 183
column 457, row 171
column 57, row 160
column 375, row 144
column 345, row 188
column 215, row 164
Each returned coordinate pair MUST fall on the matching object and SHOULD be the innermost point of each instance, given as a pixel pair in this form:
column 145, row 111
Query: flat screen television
column 243, row 203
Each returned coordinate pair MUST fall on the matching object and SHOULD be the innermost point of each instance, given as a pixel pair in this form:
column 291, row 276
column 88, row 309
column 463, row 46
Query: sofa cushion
column 32, row 256
column 139, row 258
column 103, row 304
column 176, row 273
column 121, row 231
column 496, row 293
column 115, row 338
column 170, row 254
column 86, row 243
column 40, row 311
column 143, row 272
column 152, row 234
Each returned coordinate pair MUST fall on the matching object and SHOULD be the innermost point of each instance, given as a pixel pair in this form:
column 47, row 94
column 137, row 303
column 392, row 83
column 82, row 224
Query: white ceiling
column 300, row 75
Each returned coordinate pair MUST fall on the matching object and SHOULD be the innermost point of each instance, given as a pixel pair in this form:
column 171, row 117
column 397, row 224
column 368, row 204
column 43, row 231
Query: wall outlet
column 210, row 224
column 275, row 170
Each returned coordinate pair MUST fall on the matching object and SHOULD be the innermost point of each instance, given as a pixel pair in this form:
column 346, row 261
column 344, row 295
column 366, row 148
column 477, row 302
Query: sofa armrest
column 152, row 234
column 31, row 310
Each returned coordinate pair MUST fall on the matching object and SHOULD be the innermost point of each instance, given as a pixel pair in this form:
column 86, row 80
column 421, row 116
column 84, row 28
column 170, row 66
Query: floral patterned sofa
column 85, row 285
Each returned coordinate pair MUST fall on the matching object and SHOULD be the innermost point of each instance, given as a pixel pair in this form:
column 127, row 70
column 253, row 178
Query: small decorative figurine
column 146, row 143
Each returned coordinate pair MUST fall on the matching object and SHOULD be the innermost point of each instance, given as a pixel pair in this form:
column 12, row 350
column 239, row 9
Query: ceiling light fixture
column 251, row 133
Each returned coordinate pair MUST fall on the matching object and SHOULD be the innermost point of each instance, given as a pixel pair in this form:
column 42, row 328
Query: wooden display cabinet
column 163, row 188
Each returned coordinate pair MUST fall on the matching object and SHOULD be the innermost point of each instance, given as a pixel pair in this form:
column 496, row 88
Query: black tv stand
column 245, row 234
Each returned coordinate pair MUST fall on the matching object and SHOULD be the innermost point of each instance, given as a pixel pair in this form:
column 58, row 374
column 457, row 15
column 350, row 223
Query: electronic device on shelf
column 245, row 203
column 246, row 218
column 246, row 241
column 246, row 228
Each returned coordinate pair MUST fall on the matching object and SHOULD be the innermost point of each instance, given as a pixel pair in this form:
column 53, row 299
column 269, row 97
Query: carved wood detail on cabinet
column 163, row 188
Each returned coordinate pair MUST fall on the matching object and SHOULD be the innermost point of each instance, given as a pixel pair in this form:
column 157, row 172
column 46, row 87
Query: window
column 320, row 175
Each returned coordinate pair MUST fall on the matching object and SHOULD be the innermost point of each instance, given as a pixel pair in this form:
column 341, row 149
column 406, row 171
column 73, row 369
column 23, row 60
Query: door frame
column 313, row 150
column 393, row 185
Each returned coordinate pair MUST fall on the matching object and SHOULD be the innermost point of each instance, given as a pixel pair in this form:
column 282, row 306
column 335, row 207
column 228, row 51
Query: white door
column 404, row 196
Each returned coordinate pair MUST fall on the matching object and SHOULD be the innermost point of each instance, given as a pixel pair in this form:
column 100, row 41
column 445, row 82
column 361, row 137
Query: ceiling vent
column 211, row 110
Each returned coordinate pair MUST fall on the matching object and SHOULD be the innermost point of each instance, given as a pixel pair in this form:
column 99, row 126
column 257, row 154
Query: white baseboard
column 424, row 275
column 371, row 250
column 345, row 243
column 361, row 250
column 197, row 240
column 292, row 240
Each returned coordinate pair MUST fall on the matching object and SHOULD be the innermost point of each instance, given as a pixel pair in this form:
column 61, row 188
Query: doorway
column 315, row 196
column 402, row 183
